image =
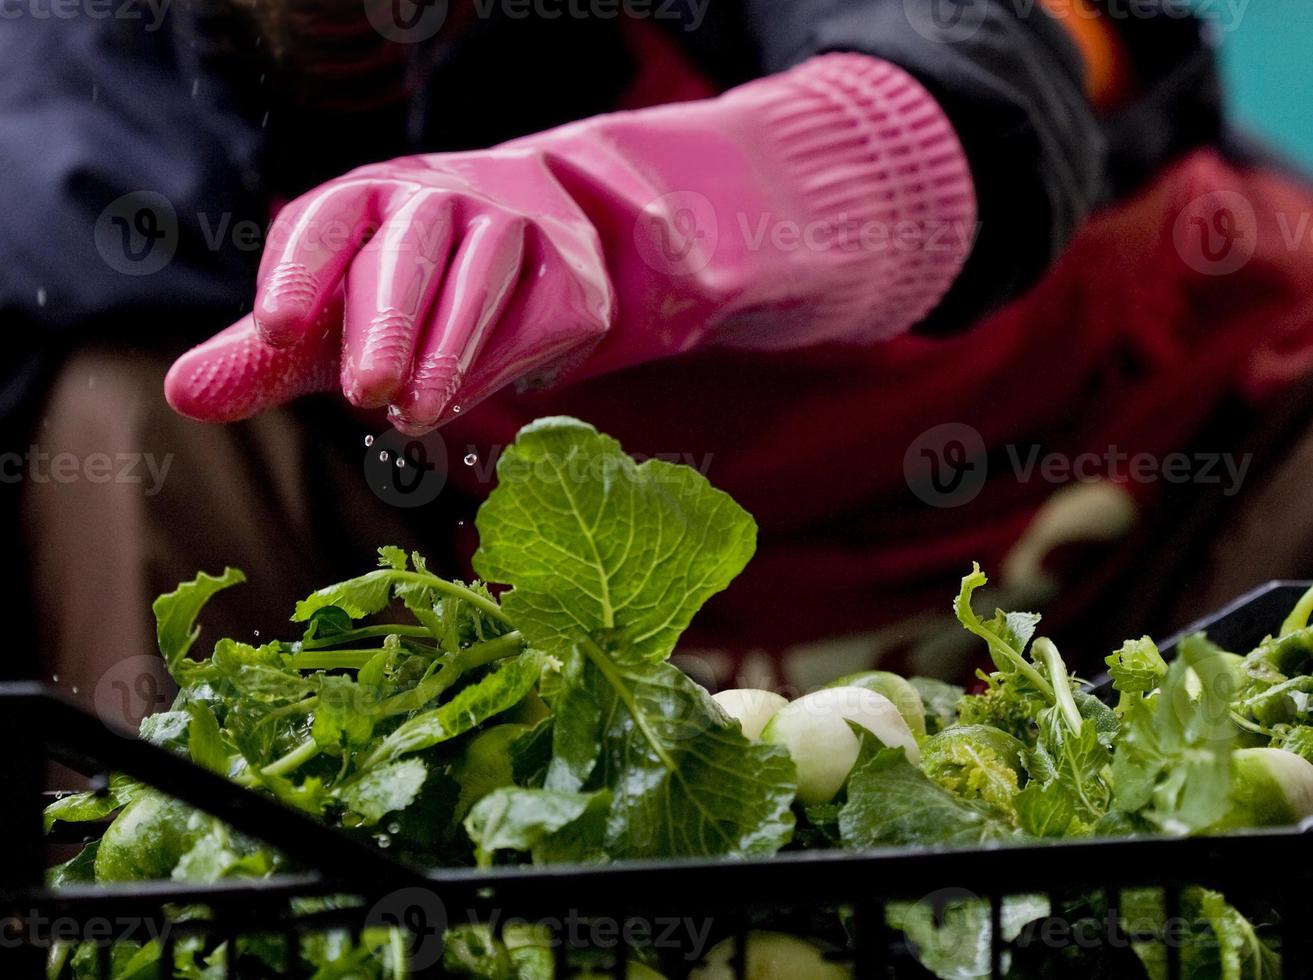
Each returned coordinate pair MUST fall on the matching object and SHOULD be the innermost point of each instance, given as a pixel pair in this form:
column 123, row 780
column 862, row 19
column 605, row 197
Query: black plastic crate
column 634, row 901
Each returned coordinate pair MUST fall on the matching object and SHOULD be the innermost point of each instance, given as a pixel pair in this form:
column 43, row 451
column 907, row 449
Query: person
column 863, row 258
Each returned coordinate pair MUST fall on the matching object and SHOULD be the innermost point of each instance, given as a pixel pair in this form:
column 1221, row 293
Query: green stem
column 293, row 760
column 603, row 663
column 1062, row 695
column 1023, row 667
column 477, row 655
column 332, row 659
column 283, row 765
column 482, row 603
column 1249, row 726
column 366, row 633
column 295, row 708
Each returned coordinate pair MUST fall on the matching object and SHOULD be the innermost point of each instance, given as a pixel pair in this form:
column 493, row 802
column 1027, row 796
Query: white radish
column 815, row 729
column 751, row 708
column 1270, row 788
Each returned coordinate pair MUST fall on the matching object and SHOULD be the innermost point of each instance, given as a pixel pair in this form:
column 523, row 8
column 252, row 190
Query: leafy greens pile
column 548, row 726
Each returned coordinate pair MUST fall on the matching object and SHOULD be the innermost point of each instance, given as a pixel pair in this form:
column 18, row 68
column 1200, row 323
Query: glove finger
column 235, row 374
column 311, row 243
column 391, row 286
column 479, row 285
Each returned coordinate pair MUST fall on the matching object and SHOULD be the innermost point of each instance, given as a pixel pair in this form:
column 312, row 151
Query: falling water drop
column 41, row 296
column 257, row 633
column 54, row 678
column 394, row 827
column 369, row 441
column 401, row 462
column 471, row 459
column 75, row 689
column 383, row 456
column 455, row 409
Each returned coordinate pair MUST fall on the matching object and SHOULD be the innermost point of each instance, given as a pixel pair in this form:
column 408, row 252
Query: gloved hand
column 830, row 203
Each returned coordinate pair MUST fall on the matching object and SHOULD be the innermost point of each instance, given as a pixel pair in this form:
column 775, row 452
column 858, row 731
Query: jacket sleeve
column 131, row 193
column 1009, row 78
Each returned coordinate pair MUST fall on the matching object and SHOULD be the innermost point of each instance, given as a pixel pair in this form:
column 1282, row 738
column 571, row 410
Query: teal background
column 1267, row 54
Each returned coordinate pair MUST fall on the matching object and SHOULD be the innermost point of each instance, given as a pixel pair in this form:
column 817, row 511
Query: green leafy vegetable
column 548, row 725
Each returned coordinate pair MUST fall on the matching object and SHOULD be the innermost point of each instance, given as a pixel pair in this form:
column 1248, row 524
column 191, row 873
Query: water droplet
column 41, row 296
column 460, row 523
column 195, row 87
column 401, row 462
column 394, row 827
column 471, row 459
column 455, row 409
column 75, row 689
column 384, row 840
column 54, row 678
column 369, row 441
column 383, row 456
column 257, row 633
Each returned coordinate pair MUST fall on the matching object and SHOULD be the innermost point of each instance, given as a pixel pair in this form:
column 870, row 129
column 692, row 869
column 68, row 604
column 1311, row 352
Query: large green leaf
column 597, row 545
column 683, row 779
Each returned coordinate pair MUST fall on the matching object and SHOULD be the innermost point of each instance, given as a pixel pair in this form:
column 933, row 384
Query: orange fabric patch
column 1108, row 72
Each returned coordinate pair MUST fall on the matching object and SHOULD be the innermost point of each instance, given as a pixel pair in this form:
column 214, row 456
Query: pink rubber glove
column 832, row 202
